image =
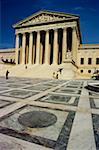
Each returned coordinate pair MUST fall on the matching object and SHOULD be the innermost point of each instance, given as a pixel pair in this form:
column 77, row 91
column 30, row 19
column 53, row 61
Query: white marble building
column 53, row 38
column 46, row 37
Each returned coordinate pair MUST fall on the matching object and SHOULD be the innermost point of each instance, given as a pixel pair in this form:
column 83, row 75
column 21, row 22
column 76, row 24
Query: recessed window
column 81, row 71
column 82, row 61
column 97, row 61
column 89, row 61
column 89, row 71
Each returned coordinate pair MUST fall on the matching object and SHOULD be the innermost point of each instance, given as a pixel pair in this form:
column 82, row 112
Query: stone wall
column 86, row 51
column 7, row 54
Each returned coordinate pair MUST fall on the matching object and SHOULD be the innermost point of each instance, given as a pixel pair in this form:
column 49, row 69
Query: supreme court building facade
column 46, row 38
column 53, row 38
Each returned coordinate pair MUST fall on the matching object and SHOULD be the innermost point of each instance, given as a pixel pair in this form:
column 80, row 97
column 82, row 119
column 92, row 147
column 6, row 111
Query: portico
column 46, row 38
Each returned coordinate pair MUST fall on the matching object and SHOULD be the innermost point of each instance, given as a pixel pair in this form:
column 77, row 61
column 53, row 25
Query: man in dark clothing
column 7, row 72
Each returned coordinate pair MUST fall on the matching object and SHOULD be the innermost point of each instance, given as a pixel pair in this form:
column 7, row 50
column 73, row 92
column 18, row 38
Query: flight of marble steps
column 32, row 71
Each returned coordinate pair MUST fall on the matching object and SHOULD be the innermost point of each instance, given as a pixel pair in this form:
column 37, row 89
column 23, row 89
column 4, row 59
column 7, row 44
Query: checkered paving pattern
column 75, row 108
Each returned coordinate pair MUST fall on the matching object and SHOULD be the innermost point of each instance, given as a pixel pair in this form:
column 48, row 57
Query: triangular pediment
column 44, row 17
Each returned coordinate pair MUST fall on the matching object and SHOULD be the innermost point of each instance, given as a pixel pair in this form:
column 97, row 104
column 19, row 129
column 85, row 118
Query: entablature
column 46, row 27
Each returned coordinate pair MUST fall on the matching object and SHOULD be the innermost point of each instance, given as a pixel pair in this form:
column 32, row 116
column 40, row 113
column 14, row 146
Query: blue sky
column 12, row 11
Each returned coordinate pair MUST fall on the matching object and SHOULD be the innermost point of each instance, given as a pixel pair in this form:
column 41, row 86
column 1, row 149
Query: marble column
column 23, row 48
column 30, row 47
column 17, row 47
column 55, row 47
column 38, row 48
column 47, row 48
column 74, row 43
column 64, row 44
column 33, row 54
column 41, row 53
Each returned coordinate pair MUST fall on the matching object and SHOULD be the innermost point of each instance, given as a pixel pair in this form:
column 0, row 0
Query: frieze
column 47, row 27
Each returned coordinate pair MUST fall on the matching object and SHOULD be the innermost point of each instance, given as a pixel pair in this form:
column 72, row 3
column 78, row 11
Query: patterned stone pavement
column 72, row 114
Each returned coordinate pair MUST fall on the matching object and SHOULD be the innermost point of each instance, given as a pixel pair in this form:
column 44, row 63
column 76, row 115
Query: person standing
column 7, row 72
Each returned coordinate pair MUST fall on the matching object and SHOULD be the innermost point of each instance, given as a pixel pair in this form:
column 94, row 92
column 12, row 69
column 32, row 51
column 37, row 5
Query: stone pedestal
column 69, row 70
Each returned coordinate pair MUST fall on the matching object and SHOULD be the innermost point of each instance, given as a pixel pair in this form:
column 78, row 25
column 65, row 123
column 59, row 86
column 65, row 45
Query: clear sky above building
column 12, row 11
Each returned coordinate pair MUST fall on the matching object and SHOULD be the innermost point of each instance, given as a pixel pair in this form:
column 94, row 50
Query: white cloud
column 78, row 8
column 82, row 8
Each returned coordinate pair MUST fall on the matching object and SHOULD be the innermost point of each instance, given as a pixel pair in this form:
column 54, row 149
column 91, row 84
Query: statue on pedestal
column 68, row 54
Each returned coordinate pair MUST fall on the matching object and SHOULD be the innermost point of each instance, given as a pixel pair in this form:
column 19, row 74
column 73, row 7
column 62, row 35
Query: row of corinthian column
column 39, row 48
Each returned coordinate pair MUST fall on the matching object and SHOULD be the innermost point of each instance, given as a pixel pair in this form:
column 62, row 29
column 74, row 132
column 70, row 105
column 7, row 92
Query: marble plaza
column 48, row 114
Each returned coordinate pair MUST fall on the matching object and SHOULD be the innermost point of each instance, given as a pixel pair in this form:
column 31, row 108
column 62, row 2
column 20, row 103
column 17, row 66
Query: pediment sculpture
column 44, row 18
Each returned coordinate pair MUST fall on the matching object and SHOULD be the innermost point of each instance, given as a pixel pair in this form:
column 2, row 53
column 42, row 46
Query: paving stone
column 19, row 93
column 48, row 114
column 37, row 119
column 4, row 103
